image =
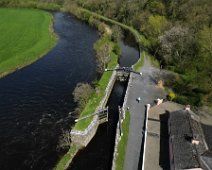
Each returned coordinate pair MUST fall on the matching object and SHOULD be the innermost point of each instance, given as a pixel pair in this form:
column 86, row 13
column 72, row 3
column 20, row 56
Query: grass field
column 25, row 35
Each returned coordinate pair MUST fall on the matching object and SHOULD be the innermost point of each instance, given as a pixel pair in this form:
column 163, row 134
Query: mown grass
column 96, row 97
column 61, row 165
column 140, row 62
column 25, row 35
column 122, row 145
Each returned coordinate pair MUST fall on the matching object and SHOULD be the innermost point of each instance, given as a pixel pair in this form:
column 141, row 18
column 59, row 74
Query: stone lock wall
column 82, row 138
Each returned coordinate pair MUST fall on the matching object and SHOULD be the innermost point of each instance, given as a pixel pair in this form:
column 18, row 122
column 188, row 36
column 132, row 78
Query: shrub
column 171, row 96
column 81, row 94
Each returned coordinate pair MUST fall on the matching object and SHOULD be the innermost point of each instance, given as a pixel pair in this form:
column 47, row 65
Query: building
column 188, row 148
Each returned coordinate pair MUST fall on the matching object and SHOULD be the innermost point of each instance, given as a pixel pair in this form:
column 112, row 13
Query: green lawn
column 25, row 35
column 122, row 145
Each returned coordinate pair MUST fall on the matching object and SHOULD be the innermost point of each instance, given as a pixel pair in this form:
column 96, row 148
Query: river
column 35, row 101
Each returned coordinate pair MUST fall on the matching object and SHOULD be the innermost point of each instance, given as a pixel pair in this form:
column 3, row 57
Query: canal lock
column 98, row 155
column 99, row 152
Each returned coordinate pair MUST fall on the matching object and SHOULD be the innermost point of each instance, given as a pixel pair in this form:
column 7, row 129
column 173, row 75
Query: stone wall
column 82, row 138
column 118, row 137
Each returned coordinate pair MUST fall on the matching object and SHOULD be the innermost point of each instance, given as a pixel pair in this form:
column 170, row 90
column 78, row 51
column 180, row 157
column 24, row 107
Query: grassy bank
column 139, row 38
column 67, row 158
column 26, row 35
column 122, row 145
column 30, row 4
column 140, row 62
column 102, row 84
column 96, row 97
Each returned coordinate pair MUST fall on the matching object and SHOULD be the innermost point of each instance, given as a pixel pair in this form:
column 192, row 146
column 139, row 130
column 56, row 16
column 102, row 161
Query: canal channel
column 99, row 152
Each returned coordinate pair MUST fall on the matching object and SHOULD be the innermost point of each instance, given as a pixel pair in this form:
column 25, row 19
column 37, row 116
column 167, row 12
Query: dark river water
column 35, row 102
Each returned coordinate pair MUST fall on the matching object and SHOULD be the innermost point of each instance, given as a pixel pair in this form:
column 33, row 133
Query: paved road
column 144, row 87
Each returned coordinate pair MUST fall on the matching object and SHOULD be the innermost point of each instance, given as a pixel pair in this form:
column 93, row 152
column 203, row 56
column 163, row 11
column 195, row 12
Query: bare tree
column 103, row 57
column 176, row 45
column 65, row 139
column 82, row 93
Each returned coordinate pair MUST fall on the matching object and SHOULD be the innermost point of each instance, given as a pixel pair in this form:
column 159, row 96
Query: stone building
column 188, row 147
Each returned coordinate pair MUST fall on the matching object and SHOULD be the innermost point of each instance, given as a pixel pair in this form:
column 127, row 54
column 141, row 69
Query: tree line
column 179, row 33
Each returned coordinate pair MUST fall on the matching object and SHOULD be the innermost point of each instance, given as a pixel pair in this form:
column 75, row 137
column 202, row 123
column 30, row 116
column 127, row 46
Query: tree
column 156, row 7
column 65, row 140
column 204, row 43
column 103, row 57
column 156, row 24
column 116, row 33
column 177, row 46
column 154, row 27
column 81, row 94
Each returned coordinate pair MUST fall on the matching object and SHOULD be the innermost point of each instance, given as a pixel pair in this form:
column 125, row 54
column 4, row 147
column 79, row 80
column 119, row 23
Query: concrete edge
column 145, row 135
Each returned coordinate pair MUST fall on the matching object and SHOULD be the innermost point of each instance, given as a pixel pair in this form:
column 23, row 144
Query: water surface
column 35, row 101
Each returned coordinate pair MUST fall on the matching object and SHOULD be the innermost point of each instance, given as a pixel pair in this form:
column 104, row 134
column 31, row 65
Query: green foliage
column 95, row 99
column 81, row 94
column 47, row 5
column 204, row 42
column 176, row 32
column 117, row 33
column 117, row 49
column 140, row 62
column 61, row 165
column 25, row 40
column 171, row 96
column 156, row 24
column 156, row 7
column 122, row 145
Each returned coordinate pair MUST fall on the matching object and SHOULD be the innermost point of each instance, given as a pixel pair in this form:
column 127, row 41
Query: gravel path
column 144, row 87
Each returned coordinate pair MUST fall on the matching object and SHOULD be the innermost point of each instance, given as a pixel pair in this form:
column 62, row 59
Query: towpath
column 144, row 87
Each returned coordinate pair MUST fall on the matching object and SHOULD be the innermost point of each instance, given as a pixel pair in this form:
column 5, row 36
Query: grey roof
column 206, row 160
column 184, row 153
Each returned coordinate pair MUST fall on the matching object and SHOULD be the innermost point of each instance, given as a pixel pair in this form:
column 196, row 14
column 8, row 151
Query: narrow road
column 144, row 87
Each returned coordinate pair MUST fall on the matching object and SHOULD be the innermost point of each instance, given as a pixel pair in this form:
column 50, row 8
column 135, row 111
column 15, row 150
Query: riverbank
column 93, row 103
column 38, row 98
column 25, row 40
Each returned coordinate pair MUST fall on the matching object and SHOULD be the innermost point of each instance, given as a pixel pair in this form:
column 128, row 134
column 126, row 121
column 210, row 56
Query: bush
column 81, row 94
column 182, row 99
column 117, row 49
column 171, row 96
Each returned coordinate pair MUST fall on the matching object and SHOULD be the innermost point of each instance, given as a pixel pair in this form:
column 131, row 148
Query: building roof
column 180, row 133
column 206, row 160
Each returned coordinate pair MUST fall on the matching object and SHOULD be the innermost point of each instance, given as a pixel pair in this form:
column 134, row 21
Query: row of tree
column 180, row 36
